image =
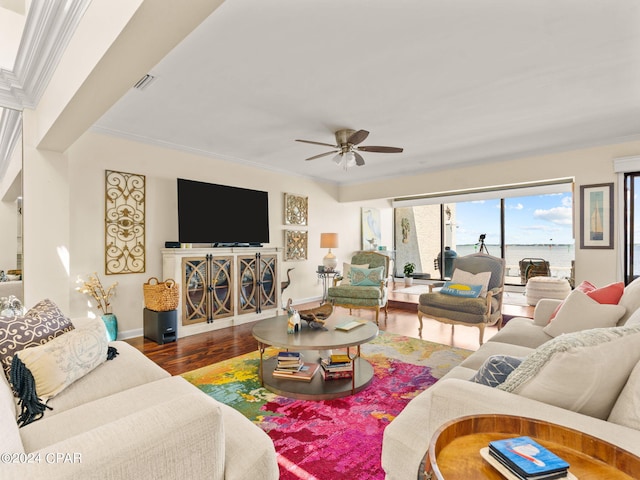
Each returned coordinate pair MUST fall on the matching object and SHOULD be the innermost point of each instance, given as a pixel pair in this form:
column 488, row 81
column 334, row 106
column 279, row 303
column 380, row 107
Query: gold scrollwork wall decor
column 296, row 209
column 295, row 242
column 124, row 223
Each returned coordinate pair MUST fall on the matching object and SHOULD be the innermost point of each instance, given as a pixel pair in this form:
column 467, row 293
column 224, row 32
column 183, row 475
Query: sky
column 539, row 219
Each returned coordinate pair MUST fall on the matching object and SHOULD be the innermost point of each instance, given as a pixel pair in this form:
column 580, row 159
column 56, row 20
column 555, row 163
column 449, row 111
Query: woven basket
column 161, row 296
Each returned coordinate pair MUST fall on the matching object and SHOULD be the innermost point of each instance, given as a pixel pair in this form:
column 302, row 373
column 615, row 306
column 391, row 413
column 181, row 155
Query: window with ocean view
column 632, row 226
column 537, row 227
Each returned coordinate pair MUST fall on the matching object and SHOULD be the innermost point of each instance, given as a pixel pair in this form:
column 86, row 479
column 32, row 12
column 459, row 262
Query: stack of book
column 525, row 459
column 289, row 362
column 336, row 366
column 291, row 366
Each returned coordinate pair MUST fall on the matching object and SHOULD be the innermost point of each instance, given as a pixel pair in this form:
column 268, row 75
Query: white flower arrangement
column 94, row 287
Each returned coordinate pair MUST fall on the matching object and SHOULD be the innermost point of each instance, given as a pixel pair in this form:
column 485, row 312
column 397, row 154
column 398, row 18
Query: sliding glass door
column 632, row 226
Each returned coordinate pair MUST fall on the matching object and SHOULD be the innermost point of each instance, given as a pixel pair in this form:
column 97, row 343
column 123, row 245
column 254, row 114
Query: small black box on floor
column 161, row 327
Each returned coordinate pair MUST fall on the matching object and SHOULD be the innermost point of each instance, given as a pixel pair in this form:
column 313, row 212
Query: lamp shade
column 328, row 240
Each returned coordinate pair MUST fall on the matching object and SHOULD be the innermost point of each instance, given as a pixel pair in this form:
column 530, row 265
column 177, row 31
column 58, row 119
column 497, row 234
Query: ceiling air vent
column 144, row 82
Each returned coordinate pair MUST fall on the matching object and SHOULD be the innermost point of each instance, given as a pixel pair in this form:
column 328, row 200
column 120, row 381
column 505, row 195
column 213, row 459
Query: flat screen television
column 220, row 214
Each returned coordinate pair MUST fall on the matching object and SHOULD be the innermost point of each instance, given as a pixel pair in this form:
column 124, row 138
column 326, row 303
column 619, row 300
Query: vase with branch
column 94, row 288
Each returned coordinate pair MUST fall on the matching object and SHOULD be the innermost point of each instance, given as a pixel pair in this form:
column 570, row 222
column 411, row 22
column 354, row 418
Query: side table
column 326, row 278
column 454, row 450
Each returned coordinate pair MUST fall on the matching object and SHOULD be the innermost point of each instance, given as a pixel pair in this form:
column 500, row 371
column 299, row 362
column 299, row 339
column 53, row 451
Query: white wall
column 94, row 153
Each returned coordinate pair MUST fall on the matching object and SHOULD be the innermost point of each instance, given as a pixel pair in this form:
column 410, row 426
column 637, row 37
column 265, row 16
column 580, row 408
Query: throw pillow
column 461, row 290
column 626, row 411
column 582, row 371
column 609, row 294
column 346, row 272
column 496, row 369
column 40, row 373
column 42, row 323
column 467, row 278
column 366, row 276
column 579, row 312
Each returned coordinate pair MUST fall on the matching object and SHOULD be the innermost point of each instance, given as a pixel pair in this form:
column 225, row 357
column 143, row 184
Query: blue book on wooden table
column 528, row 458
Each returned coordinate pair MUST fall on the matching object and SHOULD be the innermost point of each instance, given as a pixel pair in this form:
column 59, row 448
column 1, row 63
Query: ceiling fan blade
column 323, row 155
column 359, row 159
column 365, row 148
column 357, row 137
column 318, row 143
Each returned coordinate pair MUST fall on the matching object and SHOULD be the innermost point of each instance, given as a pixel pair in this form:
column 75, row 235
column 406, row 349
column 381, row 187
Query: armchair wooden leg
column 377, row 315
column 481, row 327
column 420, row 323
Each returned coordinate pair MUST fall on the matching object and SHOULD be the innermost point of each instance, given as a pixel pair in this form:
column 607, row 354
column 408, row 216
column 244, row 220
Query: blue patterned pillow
column 496, row 369
column 366, row 276
column 461, row 290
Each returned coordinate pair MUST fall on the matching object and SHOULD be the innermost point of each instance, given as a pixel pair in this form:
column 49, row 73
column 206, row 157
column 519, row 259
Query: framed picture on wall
column 296, row 209
column 295, row 245
column 596, row 216
column 371, row 236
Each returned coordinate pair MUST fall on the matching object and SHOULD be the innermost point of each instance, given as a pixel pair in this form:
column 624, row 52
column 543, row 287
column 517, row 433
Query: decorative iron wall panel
column 124, row 222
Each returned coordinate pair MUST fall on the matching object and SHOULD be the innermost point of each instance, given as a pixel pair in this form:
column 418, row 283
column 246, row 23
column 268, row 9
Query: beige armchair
column 477, row 312
column 367, row 286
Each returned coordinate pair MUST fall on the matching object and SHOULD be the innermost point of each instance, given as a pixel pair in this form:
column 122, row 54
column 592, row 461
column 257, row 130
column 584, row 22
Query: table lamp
column 329, row 240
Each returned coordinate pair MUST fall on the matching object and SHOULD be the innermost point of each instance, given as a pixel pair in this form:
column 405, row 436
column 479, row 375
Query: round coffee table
column 273, row 332
column 454, row 451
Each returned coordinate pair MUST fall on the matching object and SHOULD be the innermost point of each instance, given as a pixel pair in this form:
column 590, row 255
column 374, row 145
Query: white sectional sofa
column 130, row 419
column 597, row 384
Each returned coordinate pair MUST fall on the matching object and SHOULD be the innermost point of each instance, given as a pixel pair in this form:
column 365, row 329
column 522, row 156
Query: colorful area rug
column 332, row 439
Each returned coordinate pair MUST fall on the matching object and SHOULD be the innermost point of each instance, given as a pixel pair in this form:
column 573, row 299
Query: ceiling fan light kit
column 347, row 141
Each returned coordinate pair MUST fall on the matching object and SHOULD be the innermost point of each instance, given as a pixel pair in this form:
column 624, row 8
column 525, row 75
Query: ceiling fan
column 347, row 141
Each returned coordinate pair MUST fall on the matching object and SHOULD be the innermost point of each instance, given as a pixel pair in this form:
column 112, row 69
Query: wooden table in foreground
column 273, row 332
column 454, row 451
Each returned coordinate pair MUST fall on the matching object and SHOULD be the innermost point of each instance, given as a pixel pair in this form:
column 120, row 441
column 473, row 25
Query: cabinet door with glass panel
column 208, row 291
column 257, row 282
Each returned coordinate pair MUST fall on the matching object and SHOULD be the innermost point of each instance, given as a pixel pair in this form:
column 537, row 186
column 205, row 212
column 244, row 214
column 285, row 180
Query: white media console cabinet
column 221, row 287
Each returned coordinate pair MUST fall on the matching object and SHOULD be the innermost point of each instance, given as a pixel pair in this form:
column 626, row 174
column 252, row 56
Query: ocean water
column 558, row 256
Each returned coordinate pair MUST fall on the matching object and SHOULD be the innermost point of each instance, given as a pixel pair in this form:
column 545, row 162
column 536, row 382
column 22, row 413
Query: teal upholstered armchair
column 458, row 310
column 364, row 287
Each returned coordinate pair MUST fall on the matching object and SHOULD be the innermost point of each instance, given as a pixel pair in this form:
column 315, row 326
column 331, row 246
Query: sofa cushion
column 630, row 300
column 467, row 278
column 346, row 272
column 83, row 418
column 582, row 371
column 366, row 277
column 130, row 369
column 626, row 410
column 579, row 312
column 521, row 331
column 43, row 322
column 496, row 369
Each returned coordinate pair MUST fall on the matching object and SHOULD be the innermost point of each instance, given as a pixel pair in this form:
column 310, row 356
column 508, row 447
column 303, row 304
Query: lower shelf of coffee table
column 317, row 388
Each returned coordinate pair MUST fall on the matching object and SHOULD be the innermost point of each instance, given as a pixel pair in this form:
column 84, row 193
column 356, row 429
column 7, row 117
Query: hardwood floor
column 195, row 351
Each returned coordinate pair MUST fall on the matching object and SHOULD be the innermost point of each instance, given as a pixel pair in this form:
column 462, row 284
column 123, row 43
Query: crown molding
column 47, row 32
